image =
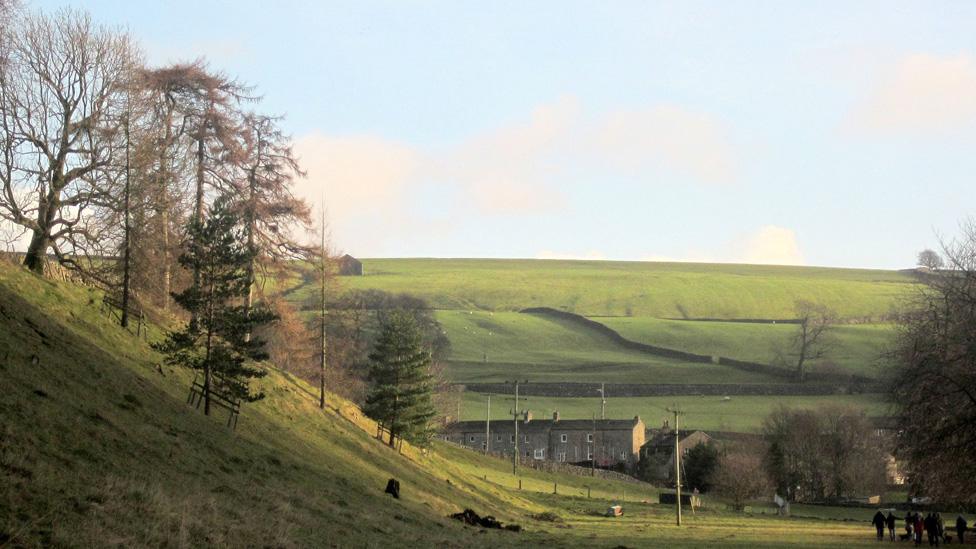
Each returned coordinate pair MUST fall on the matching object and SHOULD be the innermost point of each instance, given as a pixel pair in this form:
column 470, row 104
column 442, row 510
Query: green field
column 853, row 348
column 489, row 346
column 743, row 414
column 99, row 448
column 645, row 289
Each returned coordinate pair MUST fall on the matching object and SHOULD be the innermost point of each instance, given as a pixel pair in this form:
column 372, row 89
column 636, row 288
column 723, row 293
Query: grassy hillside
column 497, row 346
column 477, row 299
column 659, row 290
column 853, row 348
column 97, row 448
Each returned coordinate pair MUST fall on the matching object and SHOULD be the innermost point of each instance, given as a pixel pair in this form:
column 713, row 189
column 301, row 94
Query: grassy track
column 740, row 413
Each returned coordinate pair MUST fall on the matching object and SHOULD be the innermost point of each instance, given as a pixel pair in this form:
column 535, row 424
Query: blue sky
column 818, row 133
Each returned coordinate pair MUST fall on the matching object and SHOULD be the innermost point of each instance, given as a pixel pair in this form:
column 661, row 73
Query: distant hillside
column 659, row 290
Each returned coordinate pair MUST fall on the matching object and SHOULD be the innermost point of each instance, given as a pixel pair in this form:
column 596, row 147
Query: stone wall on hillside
column 756, row 367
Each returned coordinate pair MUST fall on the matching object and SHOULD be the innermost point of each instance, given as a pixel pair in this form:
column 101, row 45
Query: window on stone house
column 563, row 438
column 540, row 454
column 589, row 437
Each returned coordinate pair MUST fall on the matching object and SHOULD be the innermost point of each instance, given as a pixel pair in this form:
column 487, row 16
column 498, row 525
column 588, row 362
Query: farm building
column 349, row 266
column 659, row 448
column 611, row 442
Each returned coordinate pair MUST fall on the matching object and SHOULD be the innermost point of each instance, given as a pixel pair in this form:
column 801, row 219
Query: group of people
column 915, row 525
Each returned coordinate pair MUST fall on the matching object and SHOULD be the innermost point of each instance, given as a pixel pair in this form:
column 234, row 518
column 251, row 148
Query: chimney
column 555, row 416
column 528, row 416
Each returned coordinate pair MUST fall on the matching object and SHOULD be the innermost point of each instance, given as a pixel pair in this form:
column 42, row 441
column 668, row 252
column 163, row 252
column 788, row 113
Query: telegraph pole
column 593, row 449
column 603, row 401
column 677, row 464
column 488, row 426
column 515, row 414
column 322, row 342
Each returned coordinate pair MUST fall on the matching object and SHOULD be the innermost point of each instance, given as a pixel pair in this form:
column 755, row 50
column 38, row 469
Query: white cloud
column 522, row 168
column 669, row 136
column 920, row 94
column 588, row 255
column 768, row 245
column 364, row 181
column 771, row 245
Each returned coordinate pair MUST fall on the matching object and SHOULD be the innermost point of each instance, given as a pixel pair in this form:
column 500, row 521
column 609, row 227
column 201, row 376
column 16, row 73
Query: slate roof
column 543, row 425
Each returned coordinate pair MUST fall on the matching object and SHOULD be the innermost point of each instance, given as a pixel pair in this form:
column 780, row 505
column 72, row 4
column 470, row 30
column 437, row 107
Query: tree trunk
column 249, row 300
column 164, row 209
column 41, row 238
column 126, row 240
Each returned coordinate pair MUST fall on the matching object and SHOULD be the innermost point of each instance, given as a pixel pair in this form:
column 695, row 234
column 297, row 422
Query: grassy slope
column 740, row 413
column 554, row 350
column 660, row 290
column 854, row 348
column 98, row 448
column 636, row 299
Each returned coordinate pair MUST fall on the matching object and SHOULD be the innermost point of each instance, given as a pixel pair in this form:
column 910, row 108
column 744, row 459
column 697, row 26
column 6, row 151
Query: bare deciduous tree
column 60, row 97
column 829, row 453
column 810, row 342
column 740, row 477
column 930, row 259
column 933, row 385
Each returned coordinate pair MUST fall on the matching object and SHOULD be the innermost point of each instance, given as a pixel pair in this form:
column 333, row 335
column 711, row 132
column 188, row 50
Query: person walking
column 879, row 523
column 919, row 528
column 932, row 530
column 961, row 529
column 891, row 525
column 910, row 526
column 939, row 529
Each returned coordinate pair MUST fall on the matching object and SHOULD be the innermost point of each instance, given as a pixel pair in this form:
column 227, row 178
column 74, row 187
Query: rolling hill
column 98, row 447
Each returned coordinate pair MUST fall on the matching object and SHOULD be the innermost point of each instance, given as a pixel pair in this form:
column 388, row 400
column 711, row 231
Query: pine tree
column 215, row 341
column 399, row 397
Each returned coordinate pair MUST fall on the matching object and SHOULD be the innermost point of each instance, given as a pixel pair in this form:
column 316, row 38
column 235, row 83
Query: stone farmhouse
column 659, row 449
column 610, row 442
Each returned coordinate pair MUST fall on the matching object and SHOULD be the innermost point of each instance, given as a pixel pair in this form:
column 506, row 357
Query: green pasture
column 854, row 348
column 646, row 289
column 495, row 346
column 98, row 447
column 743, row 414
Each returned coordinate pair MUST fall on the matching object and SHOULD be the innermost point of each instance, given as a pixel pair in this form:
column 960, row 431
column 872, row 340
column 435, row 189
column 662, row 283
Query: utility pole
column 677, row 464
column 515, row 417
column 488, row 426
column 322, row 266
column 603, row 401
column 593, row 449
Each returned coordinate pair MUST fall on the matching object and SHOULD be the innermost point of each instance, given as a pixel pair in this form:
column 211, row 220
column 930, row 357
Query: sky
column 807, row 133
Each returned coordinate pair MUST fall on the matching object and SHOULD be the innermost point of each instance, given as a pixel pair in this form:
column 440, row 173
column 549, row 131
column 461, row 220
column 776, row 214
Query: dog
column 904, row 537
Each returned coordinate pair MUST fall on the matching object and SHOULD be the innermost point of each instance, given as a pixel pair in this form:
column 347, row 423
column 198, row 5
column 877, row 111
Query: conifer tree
column 399, row 397
column 215, row 341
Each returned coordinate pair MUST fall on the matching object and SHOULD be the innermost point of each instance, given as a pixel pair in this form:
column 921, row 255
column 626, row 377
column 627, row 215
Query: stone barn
column 349, row 266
